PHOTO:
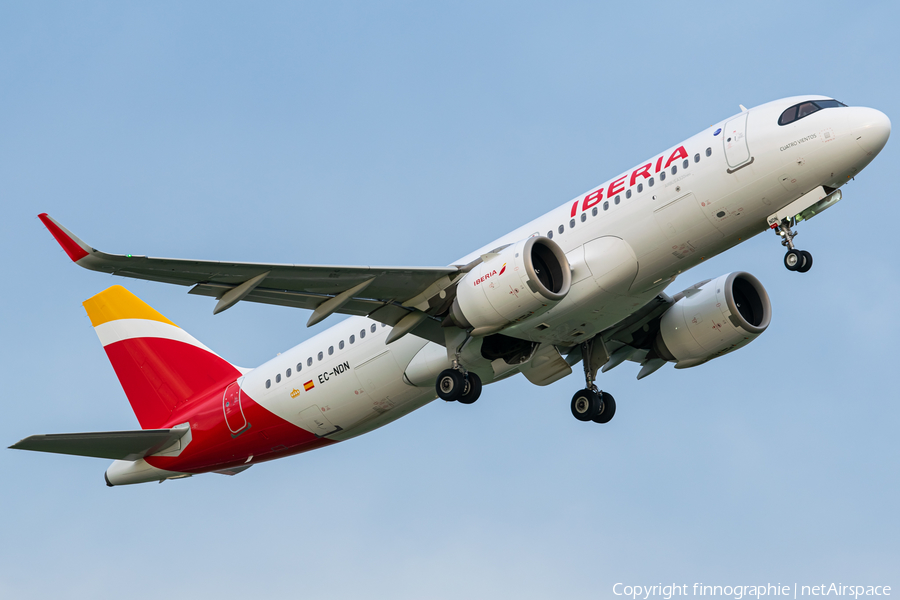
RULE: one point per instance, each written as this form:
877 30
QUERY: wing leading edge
386 294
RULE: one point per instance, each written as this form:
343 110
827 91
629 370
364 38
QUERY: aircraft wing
386 294
119 445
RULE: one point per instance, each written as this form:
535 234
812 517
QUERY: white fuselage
624 247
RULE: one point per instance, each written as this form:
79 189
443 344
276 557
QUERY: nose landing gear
798 260
794 260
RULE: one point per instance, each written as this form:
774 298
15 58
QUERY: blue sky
410 134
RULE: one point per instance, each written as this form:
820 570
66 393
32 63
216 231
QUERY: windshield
804 109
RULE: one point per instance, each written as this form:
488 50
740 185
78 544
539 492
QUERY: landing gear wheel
472 389
793 260
807 262
586 405
609 409
450 385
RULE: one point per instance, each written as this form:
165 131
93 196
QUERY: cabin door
734 137
231 406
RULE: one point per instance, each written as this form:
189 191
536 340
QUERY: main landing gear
591 404
456 384
795 260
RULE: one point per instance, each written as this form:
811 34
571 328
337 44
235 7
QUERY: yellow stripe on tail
117 303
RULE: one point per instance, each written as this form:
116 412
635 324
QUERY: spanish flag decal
308 385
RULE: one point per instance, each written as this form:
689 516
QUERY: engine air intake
522 280
716 318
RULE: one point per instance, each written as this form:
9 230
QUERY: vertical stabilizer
160 366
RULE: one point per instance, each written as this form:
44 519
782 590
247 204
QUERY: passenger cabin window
550 234
674 169
352 338
372 328
640 188
697 157
288 373
628 193
618 199
583 217
278 378
606 205
708 152
341 345
330 350
572 223
804 109
299 367
594 212
320 356
268 383
650 182
662 176
685 164
561 228
362 333
309 361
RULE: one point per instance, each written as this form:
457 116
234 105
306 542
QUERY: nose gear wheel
794 260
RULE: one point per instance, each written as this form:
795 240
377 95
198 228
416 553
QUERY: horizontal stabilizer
120 445
233 470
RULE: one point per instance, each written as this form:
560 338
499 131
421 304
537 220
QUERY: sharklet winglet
74 247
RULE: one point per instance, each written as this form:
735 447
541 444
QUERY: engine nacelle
520 281
713 319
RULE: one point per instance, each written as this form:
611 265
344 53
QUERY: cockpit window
804 109
788 116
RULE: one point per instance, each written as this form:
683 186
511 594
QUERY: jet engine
519 281
713 319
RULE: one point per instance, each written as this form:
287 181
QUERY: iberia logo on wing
503 268
308 385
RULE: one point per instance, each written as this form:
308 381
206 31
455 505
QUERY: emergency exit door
234 413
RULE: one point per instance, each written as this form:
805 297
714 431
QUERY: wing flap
293 299
118 445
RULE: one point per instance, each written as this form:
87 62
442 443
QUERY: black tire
793 260
585 405
472 389
807 262
450 385
609 409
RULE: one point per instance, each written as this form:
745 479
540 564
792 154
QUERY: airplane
583 283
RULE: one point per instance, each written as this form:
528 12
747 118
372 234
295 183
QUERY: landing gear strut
591 404
456 383
794 260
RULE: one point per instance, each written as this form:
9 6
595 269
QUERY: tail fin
160 366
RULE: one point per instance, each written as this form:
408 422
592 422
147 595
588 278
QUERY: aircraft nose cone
872 130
